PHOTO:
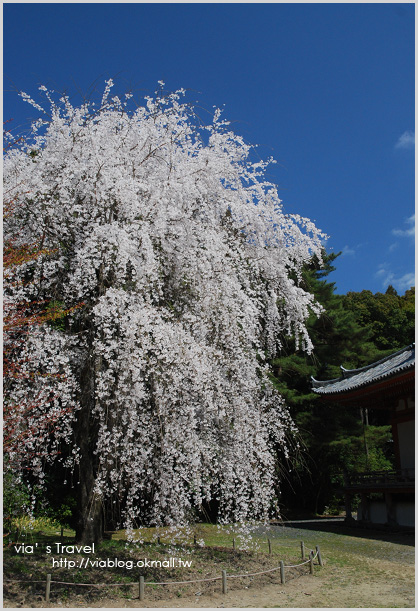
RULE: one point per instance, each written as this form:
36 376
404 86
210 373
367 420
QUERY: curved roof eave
351 379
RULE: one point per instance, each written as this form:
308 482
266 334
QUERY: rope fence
224 576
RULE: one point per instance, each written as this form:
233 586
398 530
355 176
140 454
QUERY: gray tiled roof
356 378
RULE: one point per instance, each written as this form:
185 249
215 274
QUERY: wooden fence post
311 555
141 587
302 549
282 577
269 542
224 584
48 587
318 551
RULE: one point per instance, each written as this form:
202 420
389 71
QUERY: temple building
387 497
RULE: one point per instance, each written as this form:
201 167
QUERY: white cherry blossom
188 267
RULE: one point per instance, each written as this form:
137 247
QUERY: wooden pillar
224 583
365 513
395 436
390 508
311 567
348 508
48 588
318 551
282 575
141 587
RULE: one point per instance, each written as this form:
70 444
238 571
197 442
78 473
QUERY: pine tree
331 438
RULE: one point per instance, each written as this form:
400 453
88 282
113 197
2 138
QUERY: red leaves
31 421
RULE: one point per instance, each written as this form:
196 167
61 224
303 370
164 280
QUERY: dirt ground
388 584
361 570
328 588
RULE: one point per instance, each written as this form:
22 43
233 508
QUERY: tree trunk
89 526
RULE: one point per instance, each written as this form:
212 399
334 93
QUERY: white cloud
410 231
351 251
401 284
406 141
385 275
405 282
348 251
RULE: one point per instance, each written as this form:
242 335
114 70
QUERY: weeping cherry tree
169 234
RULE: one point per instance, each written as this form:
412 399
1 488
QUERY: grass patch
212 553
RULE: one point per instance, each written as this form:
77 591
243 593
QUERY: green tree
333 438
389 317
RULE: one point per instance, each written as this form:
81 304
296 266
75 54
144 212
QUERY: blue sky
327 89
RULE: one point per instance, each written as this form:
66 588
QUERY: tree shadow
338 526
